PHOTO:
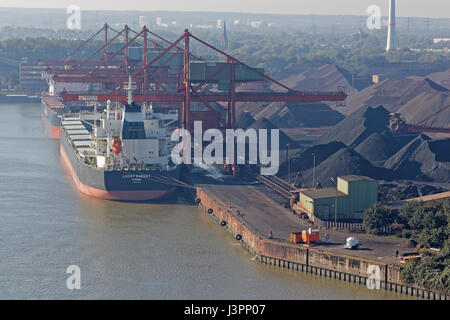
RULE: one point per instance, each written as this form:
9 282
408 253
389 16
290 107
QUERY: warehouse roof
353 177
323 193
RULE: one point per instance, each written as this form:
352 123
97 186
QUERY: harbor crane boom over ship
169 75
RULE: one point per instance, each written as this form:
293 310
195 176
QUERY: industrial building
30 77
353 195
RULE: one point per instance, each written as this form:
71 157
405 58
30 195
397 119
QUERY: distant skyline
405 8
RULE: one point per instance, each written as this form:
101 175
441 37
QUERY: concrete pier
235 207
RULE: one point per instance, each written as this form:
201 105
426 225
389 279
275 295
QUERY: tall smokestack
392 39
225 36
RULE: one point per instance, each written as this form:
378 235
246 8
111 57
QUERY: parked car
351 243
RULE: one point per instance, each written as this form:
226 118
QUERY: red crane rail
212 97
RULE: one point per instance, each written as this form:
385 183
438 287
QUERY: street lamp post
335 202
314 171
289 163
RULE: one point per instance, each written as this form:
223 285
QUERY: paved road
261 208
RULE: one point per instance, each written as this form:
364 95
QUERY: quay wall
312 260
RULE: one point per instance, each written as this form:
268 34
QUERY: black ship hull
126 185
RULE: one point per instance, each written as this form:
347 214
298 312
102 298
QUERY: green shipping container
201 71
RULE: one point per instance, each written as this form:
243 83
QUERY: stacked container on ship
125 155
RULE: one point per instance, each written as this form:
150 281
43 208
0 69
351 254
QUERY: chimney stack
391 39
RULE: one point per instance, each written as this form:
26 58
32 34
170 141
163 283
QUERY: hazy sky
405 8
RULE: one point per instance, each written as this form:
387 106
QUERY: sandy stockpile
426 104
423 159
441 78
391 93
297 115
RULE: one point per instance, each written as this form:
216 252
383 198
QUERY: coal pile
358 126
252 107
426 104
324 78
441 78
379 147
298 115
392 192
303 160
263 123
391 93
343 162
244 120
423 159
362 144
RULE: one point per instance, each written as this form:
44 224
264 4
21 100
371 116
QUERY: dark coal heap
362 144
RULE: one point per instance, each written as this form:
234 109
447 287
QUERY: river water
124 250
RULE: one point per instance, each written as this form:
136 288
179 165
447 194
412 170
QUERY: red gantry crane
167 74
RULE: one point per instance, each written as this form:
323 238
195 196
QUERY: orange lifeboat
117 146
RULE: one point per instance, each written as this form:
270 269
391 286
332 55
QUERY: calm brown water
124 250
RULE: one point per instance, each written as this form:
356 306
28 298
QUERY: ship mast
130 86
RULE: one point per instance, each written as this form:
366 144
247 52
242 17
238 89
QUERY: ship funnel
391 39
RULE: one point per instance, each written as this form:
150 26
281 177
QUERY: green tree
378 217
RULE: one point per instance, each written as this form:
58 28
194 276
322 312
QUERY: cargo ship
51 112
123 155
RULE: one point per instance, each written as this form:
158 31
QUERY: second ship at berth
120 154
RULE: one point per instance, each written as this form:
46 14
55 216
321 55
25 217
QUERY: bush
431 272
378 217
406 234
427 222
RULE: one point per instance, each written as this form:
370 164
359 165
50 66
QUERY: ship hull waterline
51 130
158 190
